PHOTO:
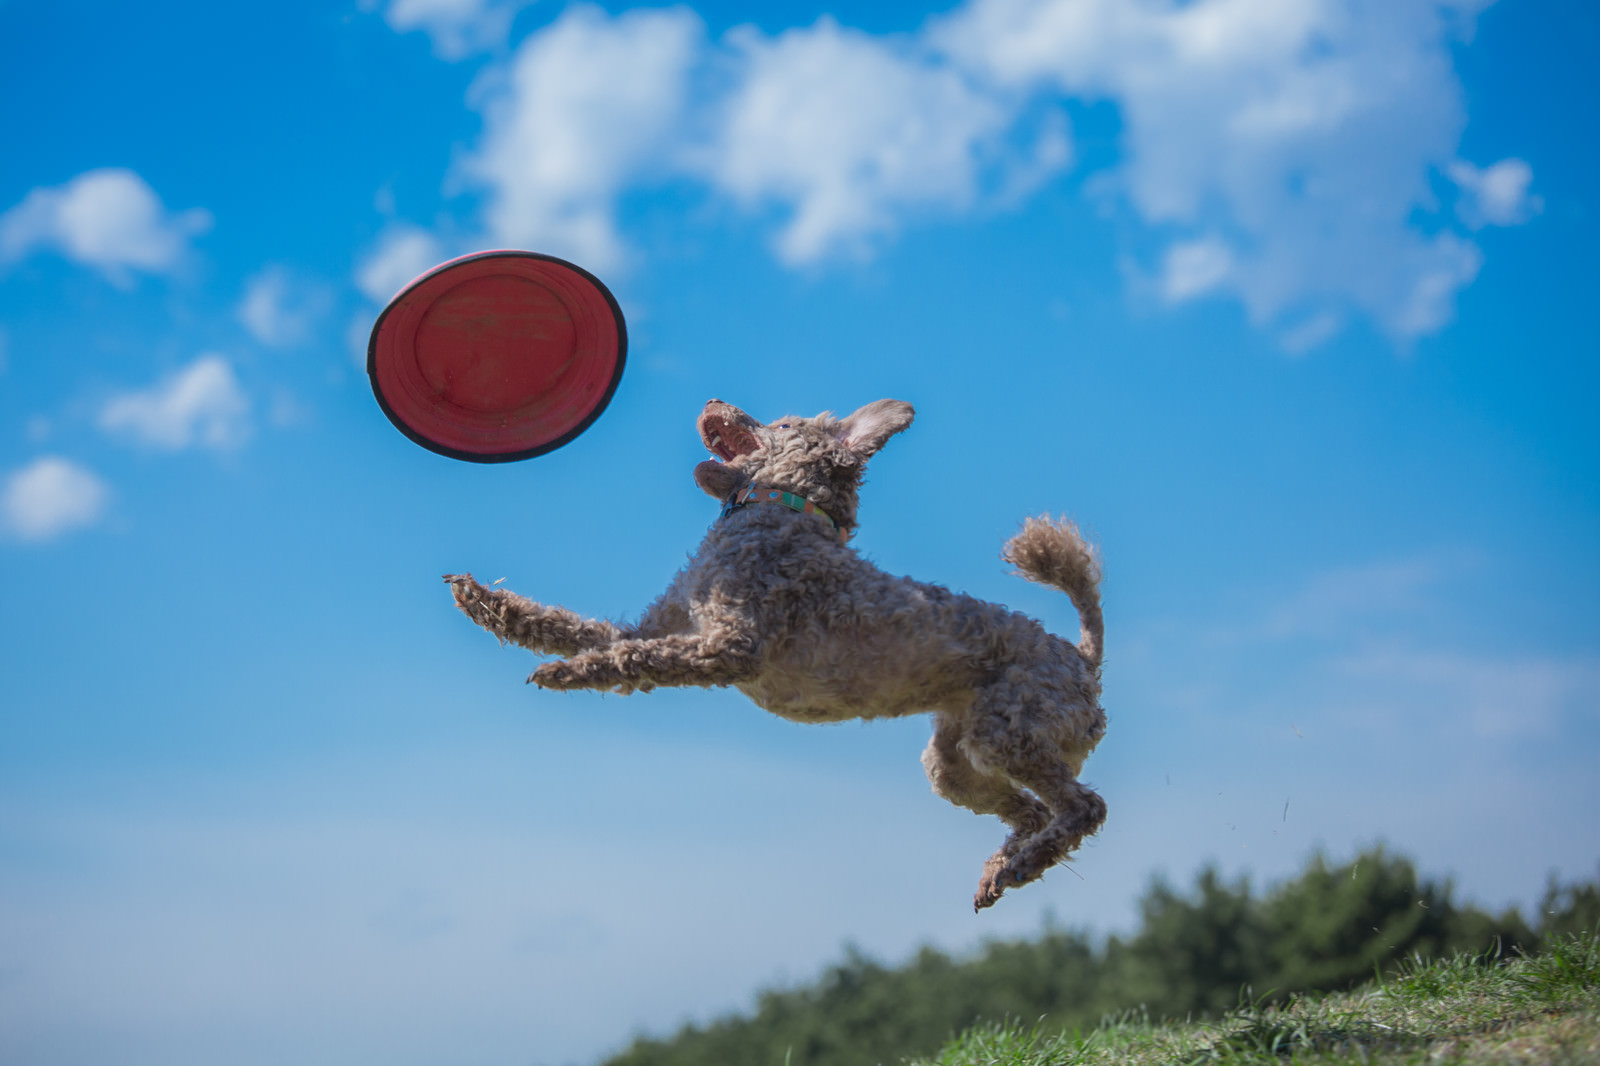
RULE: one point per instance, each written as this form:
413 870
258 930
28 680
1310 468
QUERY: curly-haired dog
778 604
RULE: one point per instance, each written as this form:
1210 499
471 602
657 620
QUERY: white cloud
1345 604
278 309
1496 195
1438 270
848 130
1351 598
403 252
851 130
1282 153
585 108
1357 648
1302 133
1315 331
1191 268
51 496
202 404
457 28
108 219
1493 696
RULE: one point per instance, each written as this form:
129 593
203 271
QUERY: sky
1290 303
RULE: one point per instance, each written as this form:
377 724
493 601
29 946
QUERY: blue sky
1290 304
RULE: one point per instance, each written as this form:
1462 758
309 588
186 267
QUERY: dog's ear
870 428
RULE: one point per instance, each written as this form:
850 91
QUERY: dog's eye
783 425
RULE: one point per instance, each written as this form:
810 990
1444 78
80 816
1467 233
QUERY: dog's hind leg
954 777
1077 811
1023 746
517 620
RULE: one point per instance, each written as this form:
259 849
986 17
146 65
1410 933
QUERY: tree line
1195 954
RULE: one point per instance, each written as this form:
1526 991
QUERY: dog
778 604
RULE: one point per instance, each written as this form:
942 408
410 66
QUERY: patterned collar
751 494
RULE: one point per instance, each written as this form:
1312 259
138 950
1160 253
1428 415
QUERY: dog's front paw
465 589
474 601
559 676
565 675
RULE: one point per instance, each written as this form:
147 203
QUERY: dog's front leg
520 621
640 665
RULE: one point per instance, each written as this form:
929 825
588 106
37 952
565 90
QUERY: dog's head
820 458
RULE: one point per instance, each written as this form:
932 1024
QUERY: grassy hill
1542 1008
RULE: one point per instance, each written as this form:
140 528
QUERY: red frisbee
498 356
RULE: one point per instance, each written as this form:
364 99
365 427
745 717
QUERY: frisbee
497 356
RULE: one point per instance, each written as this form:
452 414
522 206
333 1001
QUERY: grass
1468 1010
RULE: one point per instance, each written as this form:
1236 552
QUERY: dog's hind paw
998 875
991 885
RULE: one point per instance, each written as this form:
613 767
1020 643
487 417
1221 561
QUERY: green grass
1467 1010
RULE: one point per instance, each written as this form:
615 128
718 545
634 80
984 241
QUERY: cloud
849 131
403 252
1361 649
1494 697
202 404
1192 268
108 219
1351 593
458 28
852 131
1312 332
1497 195
1435 272
1286 154
278 310
584 109
1292 140
1351 603
49 497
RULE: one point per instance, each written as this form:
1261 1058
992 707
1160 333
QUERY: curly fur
774 604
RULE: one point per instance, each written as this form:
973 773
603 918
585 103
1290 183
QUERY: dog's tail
1054 553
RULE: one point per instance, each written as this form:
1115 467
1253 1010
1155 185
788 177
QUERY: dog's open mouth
724 432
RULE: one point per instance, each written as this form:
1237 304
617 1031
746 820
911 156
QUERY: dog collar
751 494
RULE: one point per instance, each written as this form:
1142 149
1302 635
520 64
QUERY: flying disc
498 356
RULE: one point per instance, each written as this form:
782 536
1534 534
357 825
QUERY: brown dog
777 603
